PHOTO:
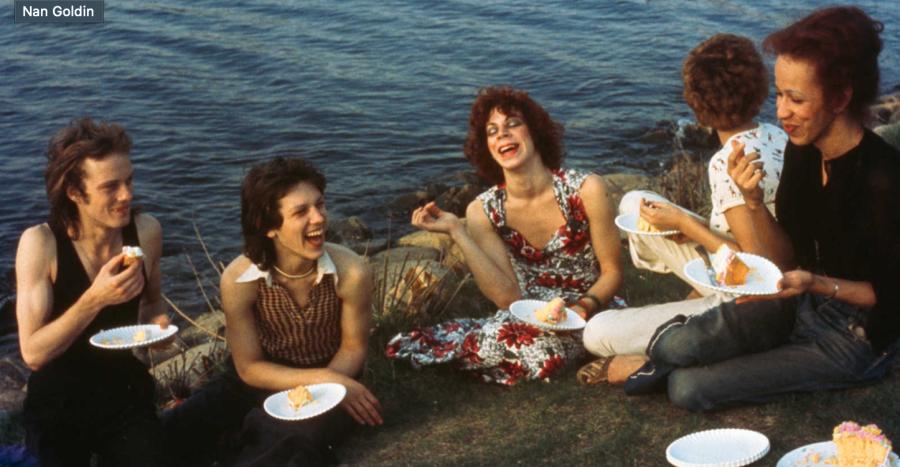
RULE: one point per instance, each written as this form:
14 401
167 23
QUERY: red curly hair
546 133
725 81
842 44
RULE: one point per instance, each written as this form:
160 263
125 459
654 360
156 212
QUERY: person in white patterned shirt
725 83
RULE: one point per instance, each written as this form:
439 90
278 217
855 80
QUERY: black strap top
82 364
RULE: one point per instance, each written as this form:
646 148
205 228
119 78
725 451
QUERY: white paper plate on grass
816 455
628 222
129 337
726 447
324 397
525 310
761 280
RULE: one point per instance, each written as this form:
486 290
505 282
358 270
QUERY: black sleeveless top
83 373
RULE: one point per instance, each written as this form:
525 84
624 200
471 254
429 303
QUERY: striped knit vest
300 337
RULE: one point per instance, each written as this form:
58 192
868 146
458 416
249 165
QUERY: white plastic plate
129 337
628 223
324 397
726 447
525 310
761 280
804 456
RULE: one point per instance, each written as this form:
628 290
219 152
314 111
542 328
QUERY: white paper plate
825 449
726 447
123 337
761 280
628 223
324 397
525 309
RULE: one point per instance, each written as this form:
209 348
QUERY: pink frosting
868 432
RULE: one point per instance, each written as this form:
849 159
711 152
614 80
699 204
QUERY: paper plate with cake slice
550 316
304 402
851 444
725 447
822 454
129 337
735 273
632 223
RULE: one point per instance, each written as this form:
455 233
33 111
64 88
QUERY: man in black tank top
71 283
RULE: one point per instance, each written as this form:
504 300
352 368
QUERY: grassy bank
439 416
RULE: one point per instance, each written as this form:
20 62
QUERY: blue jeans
754 351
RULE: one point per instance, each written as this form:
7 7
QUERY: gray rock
349 229
450 252
12 400
890 132
456 199
404 253
184 372
413 288
353 233
212 321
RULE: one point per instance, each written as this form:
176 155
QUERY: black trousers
120 427
224 422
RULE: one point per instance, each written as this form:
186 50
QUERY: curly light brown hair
725 81
546 133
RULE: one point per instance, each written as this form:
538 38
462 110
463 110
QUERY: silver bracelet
834 291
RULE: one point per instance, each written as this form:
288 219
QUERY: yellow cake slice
553 312
645 226
730 270
863 446
299 396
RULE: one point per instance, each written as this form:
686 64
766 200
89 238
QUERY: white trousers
627 331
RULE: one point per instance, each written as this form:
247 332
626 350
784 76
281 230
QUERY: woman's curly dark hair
842 43
725 81
261 193
546 133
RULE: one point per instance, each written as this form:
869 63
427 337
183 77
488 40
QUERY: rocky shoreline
419 273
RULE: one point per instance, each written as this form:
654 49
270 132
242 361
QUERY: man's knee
689 391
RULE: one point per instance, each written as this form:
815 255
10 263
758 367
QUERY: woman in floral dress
541 232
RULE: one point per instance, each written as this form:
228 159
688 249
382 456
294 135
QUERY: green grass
440 416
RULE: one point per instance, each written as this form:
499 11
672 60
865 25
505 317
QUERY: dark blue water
377 93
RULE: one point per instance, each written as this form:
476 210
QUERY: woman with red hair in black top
836 321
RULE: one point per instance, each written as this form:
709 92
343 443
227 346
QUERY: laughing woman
540 232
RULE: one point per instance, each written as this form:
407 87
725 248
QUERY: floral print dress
501 348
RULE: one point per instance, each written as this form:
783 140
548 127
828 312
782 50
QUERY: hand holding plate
163 322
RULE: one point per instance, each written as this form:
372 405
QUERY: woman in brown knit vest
297 311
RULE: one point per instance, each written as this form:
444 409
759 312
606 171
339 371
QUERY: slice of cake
730 270
864 446
132 254
645 226
553 312
299 396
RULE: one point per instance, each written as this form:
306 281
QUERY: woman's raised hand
434 219
746 171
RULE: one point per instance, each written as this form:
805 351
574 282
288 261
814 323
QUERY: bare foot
622 366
